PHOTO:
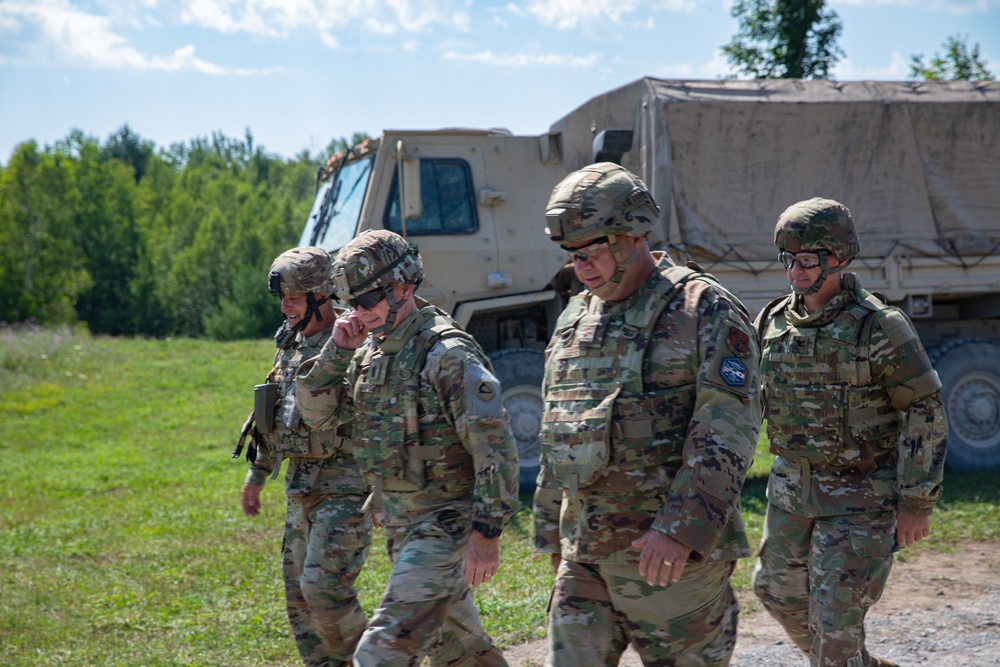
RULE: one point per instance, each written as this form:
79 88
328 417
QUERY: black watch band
486 530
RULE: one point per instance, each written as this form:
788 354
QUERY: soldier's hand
349 332
662 559
556 562
482 558
911 528
250 499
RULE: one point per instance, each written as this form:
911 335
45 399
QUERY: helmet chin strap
390 318
611 284
312 308
827 270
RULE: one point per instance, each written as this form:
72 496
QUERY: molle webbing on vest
823 406
391 441
599 420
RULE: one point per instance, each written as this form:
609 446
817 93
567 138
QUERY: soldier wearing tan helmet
651 423
327 534
428 428
855 418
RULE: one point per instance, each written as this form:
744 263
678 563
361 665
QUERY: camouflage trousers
597 610
428 608
326 544
818 576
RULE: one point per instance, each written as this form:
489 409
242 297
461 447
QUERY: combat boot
882 662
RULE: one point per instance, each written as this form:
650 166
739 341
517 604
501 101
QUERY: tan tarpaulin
918 163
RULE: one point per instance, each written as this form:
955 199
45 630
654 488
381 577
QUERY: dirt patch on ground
938 609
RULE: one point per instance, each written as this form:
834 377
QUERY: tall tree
958 63
784 39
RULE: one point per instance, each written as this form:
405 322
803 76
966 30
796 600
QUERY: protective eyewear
805 260
597 246
368 300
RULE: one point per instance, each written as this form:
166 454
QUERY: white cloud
279 18
897 69
714 68
524 60
571 14
88 40
956 7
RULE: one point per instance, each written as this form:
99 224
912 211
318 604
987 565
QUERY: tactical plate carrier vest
282 429
822 406
599 423
400 432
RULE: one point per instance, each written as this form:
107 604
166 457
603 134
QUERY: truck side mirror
611 144
411 200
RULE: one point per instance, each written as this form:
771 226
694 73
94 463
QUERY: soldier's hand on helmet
662 559
911 528
250 499
349 332
482 559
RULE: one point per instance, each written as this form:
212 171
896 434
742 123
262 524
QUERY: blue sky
301 72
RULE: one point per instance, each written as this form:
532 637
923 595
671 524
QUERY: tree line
131 240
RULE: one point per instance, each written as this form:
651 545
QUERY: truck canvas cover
918 163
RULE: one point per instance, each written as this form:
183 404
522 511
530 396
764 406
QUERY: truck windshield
337 208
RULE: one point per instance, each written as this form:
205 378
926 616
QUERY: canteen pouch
265 398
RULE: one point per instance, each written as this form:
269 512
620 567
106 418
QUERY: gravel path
938 609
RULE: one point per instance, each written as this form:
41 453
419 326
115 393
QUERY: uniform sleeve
722 433
323 387
900 364
470 397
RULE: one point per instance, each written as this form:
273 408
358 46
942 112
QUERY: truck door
457 243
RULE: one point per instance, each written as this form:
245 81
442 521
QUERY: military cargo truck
918 164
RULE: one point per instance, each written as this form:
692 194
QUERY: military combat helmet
600 200
818 224
304 270
374 259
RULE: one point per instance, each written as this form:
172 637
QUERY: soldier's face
594 264
295 306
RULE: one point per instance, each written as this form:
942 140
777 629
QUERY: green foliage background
128 239
121 538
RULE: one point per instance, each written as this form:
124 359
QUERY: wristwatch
486 530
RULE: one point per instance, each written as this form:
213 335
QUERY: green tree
784 39
42 267
958 63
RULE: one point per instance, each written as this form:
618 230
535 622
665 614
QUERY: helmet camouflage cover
600 200
818 224
375 258
301 270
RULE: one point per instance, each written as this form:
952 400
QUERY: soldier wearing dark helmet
327 534
426 422
855 418
650 427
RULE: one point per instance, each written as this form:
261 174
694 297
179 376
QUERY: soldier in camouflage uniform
650 426
430 432
326 532
854 415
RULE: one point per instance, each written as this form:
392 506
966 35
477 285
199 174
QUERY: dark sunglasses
368 300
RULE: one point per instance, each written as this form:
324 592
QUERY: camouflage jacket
305 476
438 438
853 407
675 374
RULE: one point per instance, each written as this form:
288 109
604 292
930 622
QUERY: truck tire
520 373
970 374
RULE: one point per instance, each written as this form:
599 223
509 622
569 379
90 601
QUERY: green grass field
121 538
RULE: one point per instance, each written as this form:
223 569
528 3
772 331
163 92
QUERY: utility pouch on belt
265 397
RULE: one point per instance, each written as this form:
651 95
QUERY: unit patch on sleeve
485 391
739 341
733 371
